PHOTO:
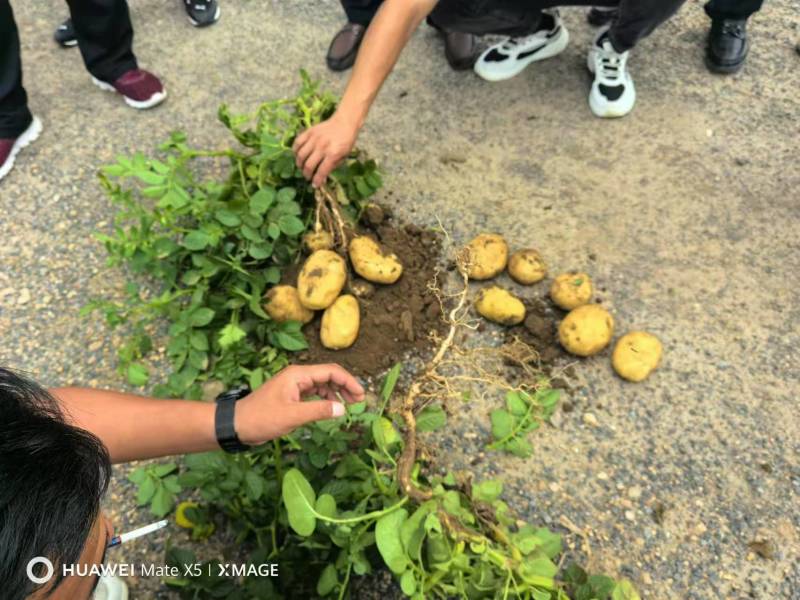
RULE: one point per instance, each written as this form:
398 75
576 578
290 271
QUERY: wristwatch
227 438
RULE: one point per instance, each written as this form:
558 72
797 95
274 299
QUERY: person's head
52 479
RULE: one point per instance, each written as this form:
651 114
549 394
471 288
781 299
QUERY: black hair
52 479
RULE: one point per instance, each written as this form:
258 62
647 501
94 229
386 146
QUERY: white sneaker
612 94
110 587
10 147
510 57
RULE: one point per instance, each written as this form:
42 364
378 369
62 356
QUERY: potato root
571 290
372 262
500 306
636 355
586 330
340 323
526 266
321 279
488 256
283 304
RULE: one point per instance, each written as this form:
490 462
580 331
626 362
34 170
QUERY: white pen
132 535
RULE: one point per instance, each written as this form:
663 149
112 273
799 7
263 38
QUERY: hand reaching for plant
321 148
278 406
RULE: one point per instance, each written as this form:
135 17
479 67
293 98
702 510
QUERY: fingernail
338 409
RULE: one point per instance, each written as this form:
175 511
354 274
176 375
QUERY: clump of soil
397 319
540 331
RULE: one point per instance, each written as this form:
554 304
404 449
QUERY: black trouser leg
637 19
14 114
732 9
361 11
105 36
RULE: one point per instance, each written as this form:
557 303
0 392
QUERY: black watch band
227 438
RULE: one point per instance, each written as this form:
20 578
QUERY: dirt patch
397 319
540 331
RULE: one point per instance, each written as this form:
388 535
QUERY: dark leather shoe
727 45
460 49
344 47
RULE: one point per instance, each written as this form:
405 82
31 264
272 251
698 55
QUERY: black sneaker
65 35
601 15
202 13
727 45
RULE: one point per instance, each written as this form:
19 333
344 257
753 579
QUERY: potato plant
205 251
338 499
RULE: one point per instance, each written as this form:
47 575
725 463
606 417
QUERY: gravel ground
686 212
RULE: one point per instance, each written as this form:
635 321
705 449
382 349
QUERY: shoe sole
723 69
154 100
31 134
214 20
555 47
68 43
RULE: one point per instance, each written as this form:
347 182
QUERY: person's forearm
134 428
385 39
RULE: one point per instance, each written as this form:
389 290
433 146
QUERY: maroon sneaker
10 147
141 89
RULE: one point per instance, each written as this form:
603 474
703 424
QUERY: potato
526 266
636 355
283 304
321 279
372 262
571 290
586 330
340 323
318 240
500 306
488 255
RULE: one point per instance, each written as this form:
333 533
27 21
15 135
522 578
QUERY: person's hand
278 406
321 148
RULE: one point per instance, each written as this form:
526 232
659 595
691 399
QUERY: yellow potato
283 304
318 240
526 266
571 290
500 306
636 355
586 330
321 279
372 262
488 255
340 323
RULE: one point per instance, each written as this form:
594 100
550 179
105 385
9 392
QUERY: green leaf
227 218
254 485
230 334
328 580
431 418
519 447
390 382
196 240
201 317
408 583
162 502
164 470
502 424
286 194
516 405
292 341
387 538
291 225
273 231
262 200
199 340
137 374
384 433
299 499
137 476
146 491
260 251
624 590
487 491
326 506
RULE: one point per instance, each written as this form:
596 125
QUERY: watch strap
224 425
